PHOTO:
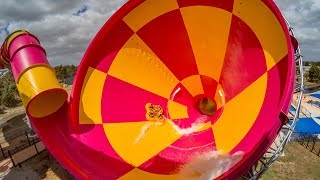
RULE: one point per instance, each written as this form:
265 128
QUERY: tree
314 74
307 63
9 95
66 71
71 70
60 72
315 63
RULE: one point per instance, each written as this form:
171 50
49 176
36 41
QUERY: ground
41 166
68 88
298 163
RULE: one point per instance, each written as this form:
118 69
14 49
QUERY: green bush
65 71
314 74
9 96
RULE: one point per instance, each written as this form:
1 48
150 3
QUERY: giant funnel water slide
168 89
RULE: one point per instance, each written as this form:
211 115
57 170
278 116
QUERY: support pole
314 143
35 146
4 155
11 158
28 138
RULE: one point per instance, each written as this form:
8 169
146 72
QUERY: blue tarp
292 108
307 126
315 95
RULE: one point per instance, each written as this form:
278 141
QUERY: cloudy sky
66 27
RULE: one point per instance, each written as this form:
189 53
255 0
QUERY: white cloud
304 17
66 37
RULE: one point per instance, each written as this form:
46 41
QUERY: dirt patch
41 166
10 113
13 134
13 128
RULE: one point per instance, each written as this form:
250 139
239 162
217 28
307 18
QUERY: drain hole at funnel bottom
207 106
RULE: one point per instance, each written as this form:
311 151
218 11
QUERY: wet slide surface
173 54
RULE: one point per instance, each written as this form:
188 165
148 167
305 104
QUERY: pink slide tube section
25 52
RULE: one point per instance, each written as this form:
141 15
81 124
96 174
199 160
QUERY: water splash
209 165
145 129
196 126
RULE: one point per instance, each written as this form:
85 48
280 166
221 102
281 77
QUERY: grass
298 163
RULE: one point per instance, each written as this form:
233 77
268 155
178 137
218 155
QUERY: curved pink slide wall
169 89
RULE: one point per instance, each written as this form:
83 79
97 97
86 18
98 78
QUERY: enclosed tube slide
168 89
37 84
